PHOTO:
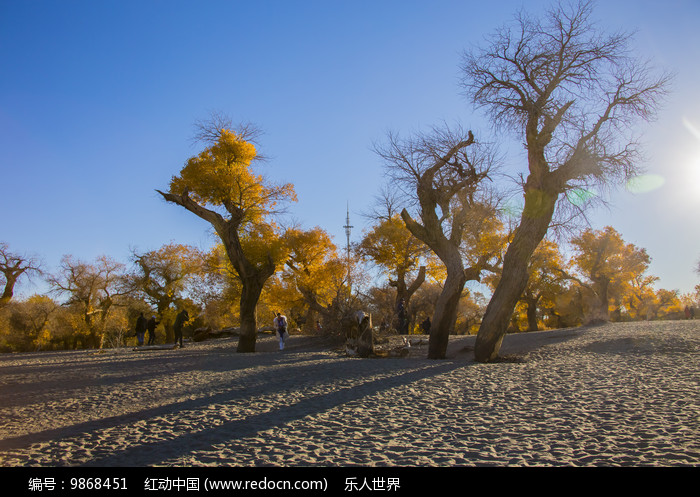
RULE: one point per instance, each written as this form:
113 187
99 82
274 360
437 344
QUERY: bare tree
387 203
93 289
12 267
571 93
447 185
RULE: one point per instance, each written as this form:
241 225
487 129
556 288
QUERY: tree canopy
610 266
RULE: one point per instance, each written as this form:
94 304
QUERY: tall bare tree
12 267
571 93
445 173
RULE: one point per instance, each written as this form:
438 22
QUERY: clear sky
98 99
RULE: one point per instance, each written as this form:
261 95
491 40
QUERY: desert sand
612 395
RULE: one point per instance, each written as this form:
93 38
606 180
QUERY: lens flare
579 196
645 183
694 130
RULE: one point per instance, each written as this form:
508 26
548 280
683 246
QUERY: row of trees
94 305
567 91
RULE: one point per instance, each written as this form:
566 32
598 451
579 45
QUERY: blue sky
98 99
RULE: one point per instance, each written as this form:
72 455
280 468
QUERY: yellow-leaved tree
315 276
400 256
609 267
161 277
220 186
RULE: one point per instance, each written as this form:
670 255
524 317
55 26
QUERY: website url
265 484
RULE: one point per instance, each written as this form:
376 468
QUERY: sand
613 395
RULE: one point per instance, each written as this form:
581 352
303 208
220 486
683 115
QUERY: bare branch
207 131
185 201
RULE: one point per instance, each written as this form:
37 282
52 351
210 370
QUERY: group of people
689 312
143 325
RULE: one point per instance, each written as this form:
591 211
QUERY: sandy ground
612 395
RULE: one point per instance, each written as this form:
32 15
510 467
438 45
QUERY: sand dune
612 395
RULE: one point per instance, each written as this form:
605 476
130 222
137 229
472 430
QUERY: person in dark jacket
140 328
403 318
280 324
180 321
151 327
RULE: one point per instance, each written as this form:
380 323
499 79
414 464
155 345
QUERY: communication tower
348 229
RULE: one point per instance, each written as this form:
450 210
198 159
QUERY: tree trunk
252 277
161 308
445 313
405 292
309 321
532 324
8 292
537 214
168 330
249 326
603 312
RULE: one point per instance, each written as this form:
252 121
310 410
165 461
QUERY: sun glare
645 183
693 164
694 175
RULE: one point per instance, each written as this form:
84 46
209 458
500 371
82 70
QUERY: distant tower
347 234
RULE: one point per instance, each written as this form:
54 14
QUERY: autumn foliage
569 93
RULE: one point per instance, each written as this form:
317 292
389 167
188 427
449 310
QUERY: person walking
280 324
403 321
151 327
140 328
180 321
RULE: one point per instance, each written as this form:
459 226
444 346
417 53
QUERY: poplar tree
571 94
221 186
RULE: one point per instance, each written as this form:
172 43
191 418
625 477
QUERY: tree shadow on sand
178 437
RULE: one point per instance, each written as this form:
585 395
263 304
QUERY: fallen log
165 346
